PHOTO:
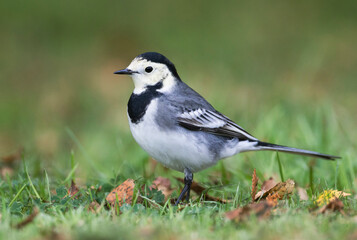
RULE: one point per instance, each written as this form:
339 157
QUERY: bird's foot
187 188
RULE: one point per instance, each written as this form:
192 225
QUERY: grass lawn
63 217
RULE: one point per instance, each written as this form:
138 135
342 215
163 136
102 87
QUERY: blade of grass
17 195
280 168
311 176
48 187
29 193
90 194
4 207
70 174
152 202
236 197
336 173
30 181
164 207
72 165
9 184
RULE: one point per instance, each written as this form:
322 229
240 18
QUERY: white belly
174 149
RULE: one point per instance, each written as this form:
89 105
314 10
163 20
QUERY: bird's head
149 69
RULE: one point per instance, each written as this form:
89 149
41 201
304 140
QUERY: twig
255 180
27 220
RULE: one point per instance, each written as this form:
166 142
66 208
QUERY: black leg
187 188
188 182
182 194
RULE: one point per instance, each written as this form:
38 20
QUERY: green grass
286 72
68 217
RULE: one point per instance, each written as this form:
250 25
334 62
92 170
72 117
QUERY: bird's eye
148 69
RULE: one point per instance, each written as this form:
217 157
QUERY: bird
177 127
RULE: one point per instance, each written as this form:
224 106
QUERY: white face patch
150 73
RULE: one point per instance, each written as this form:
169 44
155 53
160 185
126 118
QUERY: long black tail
279 148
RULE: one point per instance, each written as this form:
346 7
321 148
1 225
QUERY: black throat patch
138 103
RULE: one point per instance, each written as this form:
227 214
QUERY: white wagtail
178 127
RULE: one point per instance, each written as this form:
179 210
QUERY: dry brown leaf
28 220
124 193
164 185
198 189
273 198
302 194
334 205
283 189
266 186
73 190
255 180
261 210
238 214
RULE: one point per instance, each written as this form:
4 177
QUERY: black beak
125 71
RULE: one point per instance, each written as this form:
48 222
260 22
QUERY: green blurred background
285 71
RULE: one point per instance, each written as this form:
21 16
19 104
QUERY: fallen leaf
255 180
164 185
283 189
73 190
273 199
329 195
238 214
28 220
124 193
266 186
334 205
302 194
261 209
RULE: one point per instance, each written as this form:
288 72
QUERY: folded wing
213 122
